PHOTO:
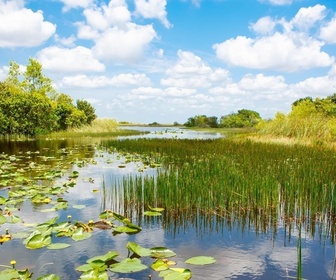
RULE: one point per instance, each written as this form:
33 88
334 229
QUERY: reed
210 183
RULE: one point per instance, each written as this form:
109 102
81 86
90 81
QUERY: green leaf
94 275
134 247
58 246
106 214
9 274
14 219
105 258
84 267
152 213
2 219
2 200
160 265
80 234
125 229
38 241
49 277
176 274
156 209
161 252
201 260
128 266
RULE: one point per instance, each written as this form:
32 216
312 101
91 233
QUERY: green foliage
88 110
201 121
308 119
29 105
244 118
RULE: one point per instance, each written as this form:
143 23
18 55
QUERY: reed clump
209 183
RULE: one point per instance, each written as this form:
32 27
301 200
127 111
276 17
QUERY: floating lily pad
49 277
136 248
80 234
2 200
128 266
176 274
37 241
94 275
105 258
125 229
152 213
156 209
2 219
58 246
201 260
160 265
9 274
161 252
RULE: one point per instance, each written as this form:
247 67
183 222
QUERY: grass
206 183
98 128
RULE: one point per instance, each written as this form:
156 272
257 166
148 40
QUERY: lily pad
80 234
176 274
152 213
37 241
125 229
2 200
128 266
49 277
161 252
58 246
136 248
201 260
94 275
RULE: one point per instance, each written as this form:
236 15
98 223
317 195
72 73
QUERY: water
241 251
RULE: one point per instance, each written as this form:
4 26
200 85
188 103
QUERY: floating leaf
105 258
160 265
125 229
106 214
84 267
161 252
80 234
156 209
9 274
2 219
128 266
152 213
2 200
176 274
94 275
49 277
136 248
58 246
14 219
201 260
37 241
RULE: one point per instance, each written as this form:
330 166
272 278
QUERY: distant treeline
244 118
308 118
29 105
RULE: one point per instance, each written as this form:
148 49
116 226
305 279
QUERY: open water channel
241 251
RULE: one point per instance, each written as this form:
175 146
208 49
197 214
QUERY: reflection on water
246 246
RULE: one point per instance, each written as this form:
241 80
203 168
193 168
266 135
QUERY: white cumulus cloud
153 9
77 59
71 4
291 50
328 32
124 45
21 27
121 80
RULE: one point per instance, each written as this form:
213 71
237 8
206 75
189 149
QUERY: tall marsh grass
209 183
98 128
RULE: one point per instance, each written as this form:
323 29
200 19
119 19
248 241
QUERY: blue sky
168 60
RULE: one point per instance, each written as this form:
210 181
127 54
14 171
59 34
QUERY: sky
164 61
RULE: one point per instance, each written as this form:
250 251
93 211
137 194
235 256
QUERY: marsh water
246 243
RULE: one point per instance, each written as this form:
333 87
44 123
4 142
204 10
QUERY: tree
88 110
35 81
244 118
